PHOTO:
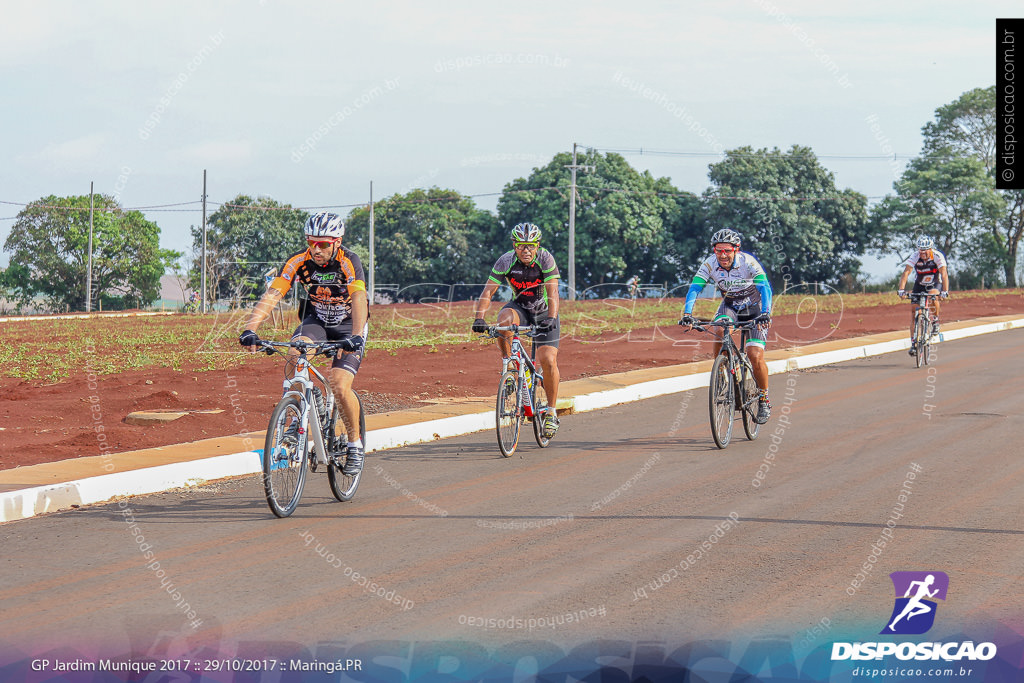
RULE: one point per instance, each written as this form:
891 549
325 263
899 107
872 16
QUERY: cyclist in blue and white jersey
746 295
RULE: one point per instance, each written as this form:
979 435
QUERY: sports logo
914 611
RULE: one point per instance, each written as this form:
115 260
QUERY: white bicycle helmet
726 236
526 232
325 224
924 243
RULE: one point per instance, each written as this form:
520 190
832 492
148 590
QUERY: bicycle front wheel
540 404
749 397
721 401
921 337
507 413
284 457
344 486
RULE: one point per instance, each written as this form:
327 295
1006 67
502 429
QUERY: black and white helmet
325 224
726 236
526 232
924 243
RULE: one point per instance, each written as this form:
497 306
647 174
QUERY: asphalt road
632 526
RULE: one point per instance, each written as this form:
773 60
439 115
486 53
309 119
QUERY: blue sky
307 103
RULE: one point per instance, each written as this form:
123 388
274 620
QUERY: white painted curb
42 499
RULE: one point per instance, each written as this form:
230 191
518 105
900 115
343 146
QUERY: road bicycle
521 395
922 329
732 387
303 424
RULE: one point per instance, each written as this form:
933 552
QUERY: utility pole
572 222
372 262
88 276
203 285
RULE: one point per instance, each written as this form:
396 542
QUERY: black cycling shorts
314 328
757 335
549 338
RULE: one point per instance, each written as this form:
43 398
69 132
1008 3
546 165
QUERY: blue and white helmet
325 224
924 243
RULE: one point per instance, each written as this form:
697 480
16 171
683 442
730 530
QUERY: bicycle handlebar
326 348
527 330
702 325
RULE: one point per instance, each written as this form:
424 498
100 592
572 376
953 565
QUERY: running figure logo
914 613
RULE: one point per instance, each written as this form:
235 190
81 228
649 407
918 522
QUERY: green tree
245 239
49 247
988 223
425 236
792 217
627 223
951 199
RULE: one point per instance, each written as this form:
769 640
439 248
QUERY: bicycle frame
304 394
922 328
921 303
518 354
738 370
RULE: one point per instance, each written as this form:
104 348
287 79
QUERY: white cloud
74 154
215 152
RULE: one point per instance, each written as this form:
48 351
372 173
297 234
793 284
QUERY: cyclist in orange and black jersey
338 311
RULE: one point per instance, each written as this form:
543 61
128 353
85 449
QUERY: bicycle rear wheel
749 397
540 404
921 336
721 401
284 457
507 413
344 486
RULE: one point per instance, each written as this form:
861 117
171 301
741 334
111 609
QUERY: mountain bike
521 394
304 423
923 328
732 387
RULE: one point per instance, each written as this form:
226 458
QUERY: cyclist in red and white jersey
746 295
931 277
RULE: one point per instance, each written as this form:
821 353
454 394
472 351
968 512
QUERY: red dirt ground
45 423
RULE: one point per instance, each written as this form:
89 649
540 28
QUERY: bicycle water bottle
529 379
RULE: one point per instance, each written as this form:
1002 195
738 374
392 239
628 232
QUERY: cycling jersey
330 287
526 281
927 270
744 286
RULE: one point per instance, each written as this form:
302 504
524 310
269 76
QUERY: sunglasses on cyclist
322 245
526 245
725 250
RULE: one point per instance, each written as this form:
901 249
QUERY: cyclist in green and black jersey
530 271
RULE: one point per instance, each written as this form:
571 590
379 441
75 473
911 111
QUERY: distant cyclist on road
746 295
337 311
530 271
634 286
930 266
